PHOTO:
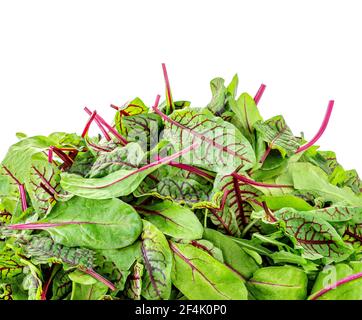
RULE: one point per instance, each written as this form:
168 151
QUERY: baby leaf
234 256
315 235
157 259
278 135
94 224
339 282
279 283
199 276
172 219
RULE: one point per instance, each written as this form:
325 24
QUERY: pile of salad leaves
178 202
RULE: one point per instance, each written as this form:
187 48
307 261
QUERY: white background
58 56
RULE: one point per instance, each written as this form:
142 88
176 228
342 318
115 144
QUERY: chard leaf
44 250
157 259
247 113
143 129
231 210
61 285
234 256
173 220
314 235
201 277
116 264
43 184
132 108
279 283
177 185
278 135
11 266
221 147
128 157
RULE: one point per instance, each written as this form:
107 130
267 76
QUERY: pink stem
24 205
265 155
50 155
168 88
104 132
100 278
110 128
66 159
188 168
42 226
114 107
259 184
321 129
335 285
86 128
259 94
268 213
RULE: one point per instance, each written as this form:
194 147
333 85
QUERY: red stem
110 128
21 187
268 213
259 94
104 132
114 107
321 129
100 278
47 284
89 122
168 88
189 168
347 279
62 155
259 184
265 155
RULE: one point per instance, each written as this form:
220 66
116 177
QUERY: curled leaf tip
321 129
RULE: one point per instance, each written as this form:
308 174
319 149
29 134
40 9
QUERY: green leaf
201 277
86 287
279 283
94 224
222 148
157 259
247 113
173 220
117 184
177 185
234 256
61 285
311 178
350 290
278 135
286 201
116 264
